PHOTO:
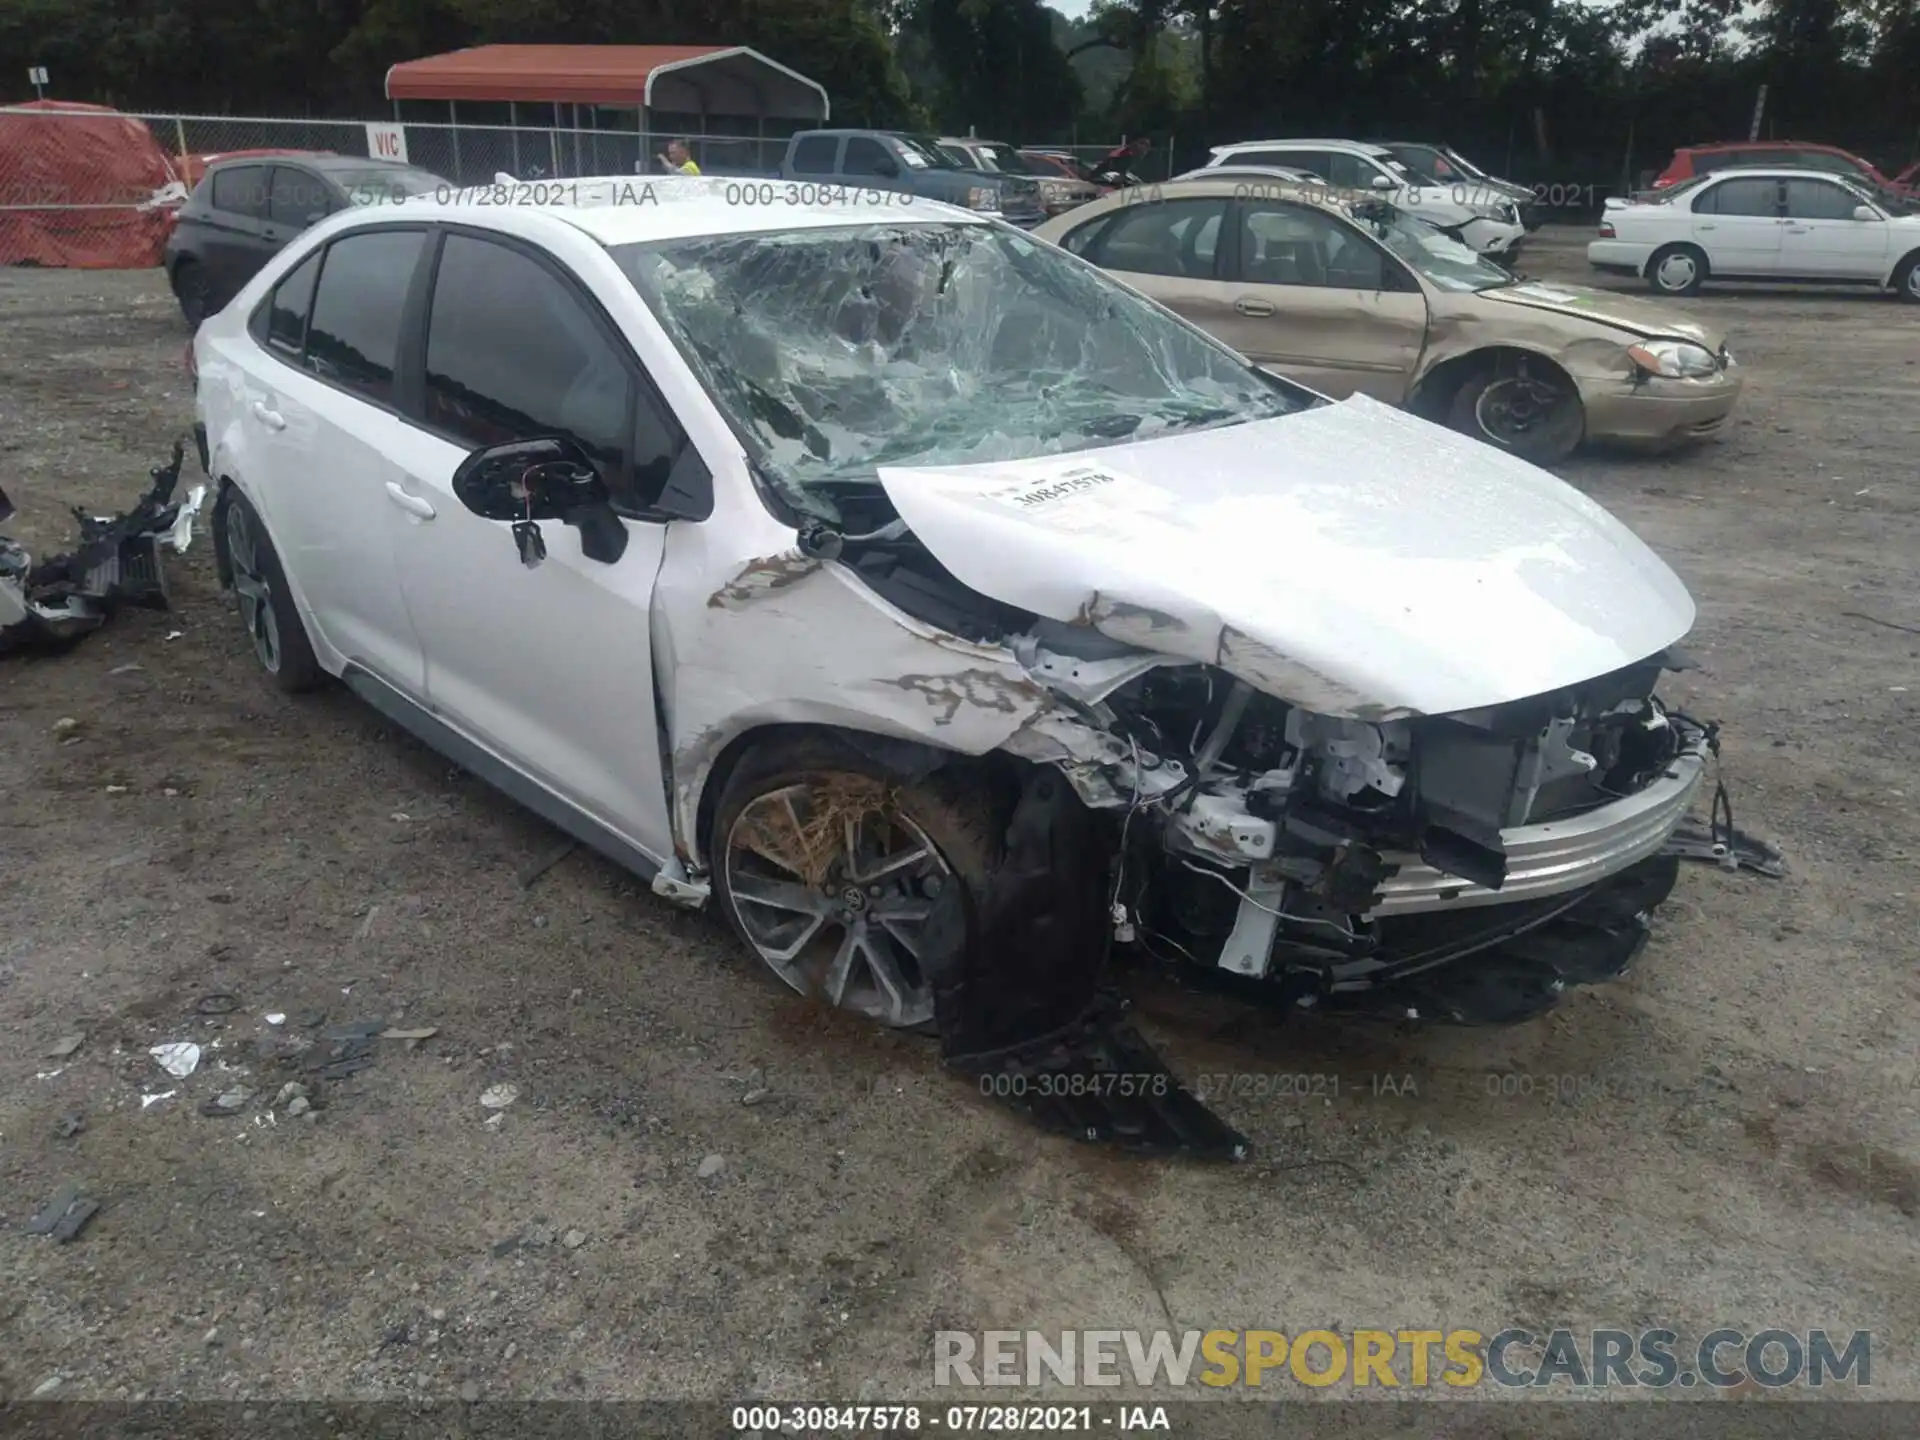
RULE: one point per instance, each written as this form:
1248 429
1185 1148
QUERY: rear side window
353 338
291 303
297 197
513 354
241 190
1740 197
814 155
1174 237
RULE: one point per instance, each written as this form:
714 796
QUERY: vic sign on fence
386 142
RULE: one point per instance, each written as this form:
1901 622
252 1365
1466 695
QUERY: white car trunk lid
1352 559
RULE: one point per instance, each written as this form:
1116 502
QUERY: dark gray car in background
244 210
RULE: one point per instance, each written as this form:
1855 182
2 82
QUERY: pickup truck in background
904 164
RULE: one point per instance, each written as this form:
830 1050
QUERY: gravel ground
705 1189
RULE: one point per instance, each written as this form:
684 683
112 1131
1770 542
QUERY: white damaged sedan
946 612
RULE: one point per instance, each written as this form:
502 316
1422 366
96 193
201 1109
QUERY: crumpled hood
1352 558
1620 311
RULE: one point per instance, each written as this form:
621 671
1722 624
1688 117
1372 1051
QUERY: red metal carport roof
574 74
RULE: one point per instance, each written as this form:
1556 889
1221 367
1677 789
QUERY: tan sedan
1345 294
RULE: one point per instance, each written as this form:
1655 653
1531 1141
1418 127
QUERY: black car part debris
1024 1009
65 1215
116 564
1720 841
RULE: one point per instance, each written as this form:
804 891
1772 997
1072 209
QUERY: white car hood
1352 559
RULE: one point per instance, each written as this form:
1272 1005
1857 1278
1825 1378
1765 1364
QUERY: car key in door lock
526 531
533 546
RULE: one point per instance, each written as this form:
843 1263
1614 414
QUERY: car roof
1765 145
1210 172
310 159
1765 172
1307 192
634 209
1365 147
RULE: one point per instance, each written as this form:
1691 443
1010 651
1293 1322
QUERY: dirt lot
1731 1136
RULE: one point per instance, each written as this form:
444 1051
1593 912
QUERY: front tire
1537 417
828 867
1677 270
265 602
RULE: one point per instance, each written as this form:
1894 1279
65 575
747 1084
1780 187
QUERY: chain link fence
94 188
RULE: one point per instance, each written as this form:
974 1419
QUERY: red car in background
1694 161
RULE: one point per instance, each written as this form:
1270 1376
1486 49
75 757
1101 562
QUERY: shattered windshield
837 351
1436 255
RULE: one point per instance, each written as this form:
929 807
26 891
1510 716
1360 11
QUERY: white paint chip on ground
179 1058
498 1097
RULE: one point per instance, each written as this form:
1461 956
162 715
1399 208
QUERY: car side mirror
887 166
1865 212
1382 182
526 481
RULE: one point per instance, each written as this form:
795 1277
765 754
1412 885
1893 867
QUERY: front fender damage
1019 997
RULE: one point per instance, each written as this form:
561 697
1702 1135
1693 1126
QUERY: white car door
550 667
1737 222
318 418
1822 239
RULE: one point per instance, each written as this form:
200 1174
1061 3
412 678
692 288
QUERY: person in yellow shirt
678 158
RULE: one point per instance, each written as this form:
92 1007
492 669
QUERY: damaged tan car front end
1353 296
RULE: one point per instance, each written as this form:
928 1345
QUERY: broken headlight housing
1674 359
983 197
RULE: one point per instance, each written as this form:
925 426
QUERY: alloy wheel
833 887
252 588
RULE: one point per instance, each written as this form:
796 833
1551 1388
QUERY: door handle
1707 227
1253 307
412 504
272 419
1799 229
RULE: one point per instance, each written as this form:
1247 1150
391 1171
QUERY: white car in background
1487 223
1782 225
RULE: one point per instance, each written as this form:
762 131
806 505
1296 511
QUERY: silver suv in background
1489 225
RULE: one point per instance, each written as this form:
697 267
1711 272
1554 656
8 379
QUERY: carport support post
180 134
453 125
513 127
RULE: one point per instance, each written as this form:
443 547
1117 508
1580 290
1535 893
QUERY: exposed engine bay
1296 858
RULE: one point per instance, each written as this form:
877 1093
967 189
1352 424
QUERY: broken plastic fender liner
1018 1000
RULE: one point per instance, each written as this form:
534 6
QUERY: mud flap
1023 1007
